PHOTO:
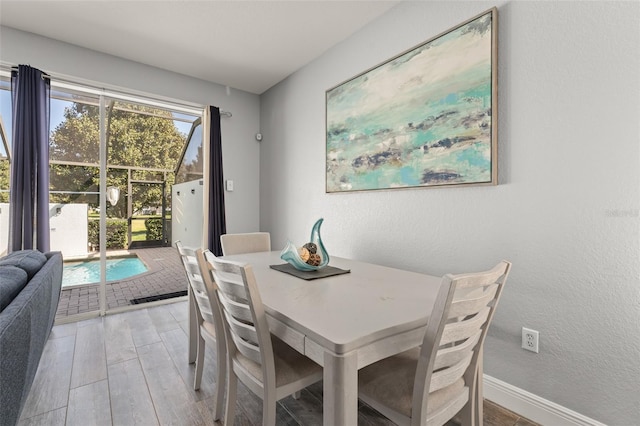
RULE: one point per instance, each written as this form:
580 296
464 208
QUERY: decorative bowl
291 253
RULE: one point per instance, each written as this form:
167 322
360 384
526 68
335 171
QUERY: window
190 166
5 148
100 139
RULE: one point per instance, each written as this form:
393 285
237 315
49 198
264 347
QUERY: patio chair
431 384
266 365
208 318
245 243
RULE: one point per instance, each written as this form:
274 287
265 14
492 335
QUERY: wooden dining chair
245 243
431 384
266 365
209 319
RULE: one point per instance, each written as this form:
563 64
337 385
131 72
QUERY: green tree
77 137
4 179
189 171
137 136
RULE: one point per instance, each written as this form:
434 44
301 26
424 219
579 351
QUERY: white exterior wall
68 226
187 220
69 229
4 228
566 212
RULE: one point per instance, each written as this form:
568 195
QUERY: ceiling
247 45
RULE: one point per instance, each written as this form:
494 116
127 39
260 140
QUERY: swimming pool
88 271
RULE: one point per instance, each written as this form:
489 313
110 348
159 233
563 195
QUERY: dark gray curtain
217 222
29 196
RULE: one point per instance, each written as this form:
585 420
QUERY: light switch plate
229 185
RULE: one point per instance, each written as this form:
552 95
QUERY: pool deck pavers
165 275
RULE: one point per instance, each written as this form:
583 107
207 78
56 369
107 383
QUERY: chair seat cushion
390 382
290 365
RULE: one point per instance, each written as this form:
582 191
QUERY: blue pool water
86 272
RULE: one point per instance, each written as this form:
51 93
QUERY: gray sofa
30 284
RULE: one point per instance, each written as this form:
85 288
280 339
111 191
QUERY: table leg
340 406
193 327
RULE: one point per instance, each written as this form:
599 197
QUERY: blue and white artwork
421 119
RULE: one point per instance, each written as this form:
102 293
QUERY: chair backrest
201 292
246 327
457 327
245 243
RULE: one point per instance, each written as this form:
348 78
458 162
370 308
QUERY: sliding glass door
75 201
113 159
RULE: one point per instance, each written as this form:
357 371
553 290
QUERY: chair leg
479 394
199 363
232 389
221 373
468 412
193 325
268 409
467 415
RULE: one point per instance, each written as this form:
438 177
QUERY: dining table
342 322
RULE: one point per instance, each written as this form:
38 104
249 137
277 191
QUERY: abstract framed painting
425 118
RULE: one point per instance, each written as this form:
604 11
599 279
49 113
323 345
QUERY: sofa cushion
15 356
25 325
12 280
29 260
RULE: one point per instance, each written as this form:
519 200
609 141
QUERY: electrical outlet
530 340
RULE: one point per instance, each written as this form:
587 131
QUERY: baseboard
533 407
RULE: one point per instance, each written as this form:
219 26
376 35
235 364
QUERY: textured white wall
240 149
566 212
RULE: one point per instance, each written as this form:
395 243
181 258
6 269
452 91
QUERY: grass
138 228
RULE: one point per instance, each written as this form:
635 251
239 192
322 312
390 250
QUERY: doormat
158 297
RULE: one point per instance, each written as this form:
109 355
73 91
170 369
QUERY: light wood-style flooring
131 369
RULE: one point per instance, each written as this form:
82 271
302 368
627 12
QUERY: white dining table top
345 312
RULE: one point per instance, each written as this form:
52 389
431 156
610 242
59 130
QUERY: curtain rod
45 76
